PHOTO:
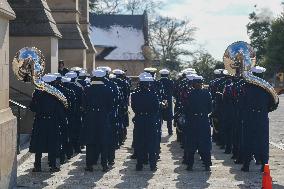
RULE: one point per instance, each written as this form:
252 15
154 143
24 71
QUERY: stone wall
8 129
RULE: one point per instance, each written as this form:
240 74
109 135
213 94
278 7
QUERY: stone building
120 41
34 26
72 46
84 26
8 129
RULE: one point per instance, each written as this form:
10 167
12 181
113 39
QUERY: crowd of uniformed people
230 112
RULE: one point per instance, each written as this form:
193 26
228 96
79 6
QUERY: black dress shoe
245 169
36 169
153 169
237 161
89 169
54 169
133 156
207 168
189 168
105 169
62 161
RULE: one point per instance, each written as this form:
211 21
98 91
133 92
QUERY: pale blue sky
219 22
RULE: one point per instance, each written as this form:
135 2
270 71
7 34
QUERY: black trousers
51 159
92 153
205 156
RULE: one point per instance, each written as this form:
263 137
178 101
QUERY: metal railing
19 108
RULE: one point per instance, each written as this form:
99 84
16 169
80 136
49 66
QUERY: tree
259 29
124 6
169 39
205 65
139 6
275 47
106 6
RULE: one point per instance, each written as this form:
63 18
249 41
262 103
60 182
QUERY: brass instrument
238 59
28 65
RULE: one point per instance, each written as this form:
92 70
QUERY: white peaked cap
225 72
150 69
57 74
164 72
218 71
105 68
76 69
146 77
47 78
198 77
191 77
112 76
258 69
65 79
82 73
189 71
99 73
118 72
71 74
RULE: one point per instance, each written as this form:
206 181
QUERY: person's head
61 64
145 81
118 73
82 74
72 75
98 74
164 73
197 82
258 71
58 78
49 79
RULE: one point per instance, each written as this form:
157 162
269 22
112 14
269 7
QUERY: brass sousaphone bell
238 59
28 66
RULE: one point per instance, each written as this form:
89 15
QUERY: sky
219 22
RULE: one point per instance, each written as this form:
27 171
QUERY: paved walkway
171 173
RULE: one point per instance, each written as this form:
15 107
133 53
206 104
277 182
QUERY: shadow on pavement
35 180
250 179
198 178
79 178
132 178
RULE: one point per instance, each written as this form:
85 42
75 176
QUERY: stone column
84 26
72 46
8 128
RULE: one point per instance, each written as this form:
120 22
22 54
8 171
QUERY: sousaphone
28 66
238 59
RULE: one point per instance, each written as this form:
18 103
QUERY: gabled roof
123 36
33 18
105 21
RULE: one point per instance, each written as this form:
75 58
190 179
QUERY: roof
72 37
33 18
122 36
105 21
